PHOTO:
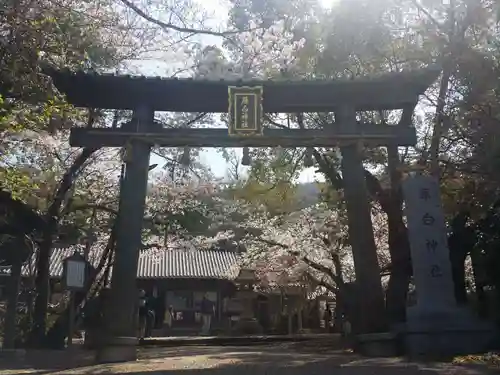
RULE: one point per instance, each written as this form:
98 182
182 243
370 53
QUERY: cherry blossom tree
310 244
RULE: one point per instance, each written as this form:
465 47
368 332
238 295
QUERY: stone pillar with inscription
435 325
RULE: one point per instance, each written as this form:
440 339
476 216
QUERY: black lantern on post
75 273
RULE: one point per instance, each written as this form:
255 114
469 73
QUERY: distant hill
307 194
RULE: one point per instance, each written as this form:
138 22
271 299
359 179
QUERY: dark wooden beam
389 91
371 134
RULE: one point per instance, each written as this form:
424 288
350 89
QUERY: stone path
284 359
334 338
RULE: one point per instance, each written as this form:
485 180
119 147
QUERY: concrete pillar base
447 343
118 349
452 332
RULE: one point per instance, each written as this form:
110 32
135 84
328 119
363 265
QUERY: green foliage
278 198
71 34
18 183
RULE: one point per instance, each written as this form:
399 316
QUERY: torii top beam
109 91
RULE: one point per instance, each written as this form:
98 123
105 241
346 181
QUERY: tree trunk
438 123
401 271
10 323
457 260
340 309
397 294
461 241
52 219
351 306
42 288
455 38
399 245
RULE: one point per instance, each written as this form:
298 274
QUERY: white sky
218 10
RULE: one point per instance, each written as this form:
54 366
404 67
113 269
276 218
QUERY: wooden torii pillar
145 95
121 338
363 246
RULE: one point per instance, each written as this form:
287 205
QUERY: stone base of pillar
446 333
118 349
377 344
92 339
247 326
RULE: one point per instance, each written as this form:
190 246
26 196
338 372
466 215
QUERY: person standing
169 318
150 321
327 317
346 326
207 311
146 315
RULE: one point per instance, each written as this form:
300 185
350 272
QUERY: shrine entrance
246 102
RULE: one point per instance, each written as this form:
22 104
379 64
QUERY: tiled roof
56 261
207 264
203 264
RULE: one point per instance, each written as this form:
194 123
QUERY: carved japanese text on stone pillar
429 244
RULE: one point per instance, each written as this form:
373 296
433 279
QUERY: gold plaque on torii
245 110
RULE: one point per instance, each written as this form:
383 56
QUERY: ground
285 359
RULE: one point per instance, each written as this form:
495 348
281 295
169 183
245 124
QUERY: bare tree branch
427 14
322 283
170 26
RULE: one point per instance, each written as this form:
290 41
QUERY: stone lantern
245 281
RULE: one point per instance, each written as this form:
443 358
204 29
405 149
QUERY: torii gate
245 101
